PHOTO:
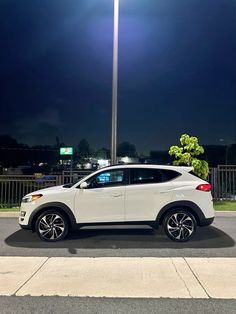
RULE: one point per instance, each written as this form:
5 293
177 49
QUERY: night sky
177 71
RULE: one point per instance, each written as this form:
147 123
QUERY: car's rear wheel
180 225
51 226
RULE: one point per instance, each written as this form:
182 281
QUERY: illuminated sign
66 150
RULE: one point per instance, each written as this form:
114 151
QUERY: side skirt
152 224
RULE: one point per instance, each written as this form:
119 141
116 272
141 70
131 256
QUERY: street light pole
115 84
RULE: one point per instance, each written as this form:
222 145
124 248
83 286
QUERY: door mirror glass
83 185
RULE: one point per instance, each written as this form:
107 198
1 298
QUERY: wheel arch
193 208
61 207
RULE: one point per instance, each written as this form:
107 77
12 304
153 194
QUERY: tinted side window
145 176
107 178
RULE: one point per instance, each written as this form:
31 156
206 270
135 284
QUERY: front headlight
31 198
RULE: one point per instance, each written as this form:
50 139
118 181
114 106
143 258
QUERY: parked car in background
45 179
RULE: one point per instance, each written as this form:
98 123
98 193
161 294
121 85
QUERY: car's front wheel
51 226
180 225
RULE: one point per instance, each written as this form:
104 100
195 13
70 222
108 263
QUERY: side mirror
83 185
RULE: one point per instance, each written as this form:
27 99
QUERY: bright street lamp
115 84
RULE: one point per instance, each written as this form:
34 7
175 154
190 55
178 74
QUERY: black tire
180 225
51 226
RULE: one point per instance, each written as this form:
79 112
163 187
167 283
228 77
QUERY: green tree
186 155
84 149
102 153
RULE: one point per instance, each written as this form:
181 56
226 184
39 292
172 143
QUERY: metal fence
14 187
76 175
223 180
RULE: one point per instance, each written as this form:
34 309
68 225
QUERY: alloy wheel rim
180 226
51 226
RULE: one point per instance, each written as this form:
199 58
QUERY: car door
103 199
146 194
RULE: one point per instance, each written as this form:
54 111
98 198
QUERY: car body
122 194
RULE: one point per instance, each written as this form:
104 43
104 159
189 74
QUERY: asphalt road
110 305
217 240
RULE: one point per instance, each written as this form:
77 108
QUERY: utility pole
115 84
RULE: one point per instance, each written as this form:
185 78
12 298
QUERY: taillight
206 187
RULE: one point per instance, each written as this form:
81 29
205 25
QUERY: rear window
194 174
170 174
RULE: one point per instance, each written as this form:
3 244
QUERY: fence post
215 183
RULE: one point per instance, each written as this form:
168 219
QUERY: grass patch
12 209
225 205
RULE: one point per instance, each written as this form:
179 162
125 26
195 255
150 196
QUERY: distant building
128 160
15 171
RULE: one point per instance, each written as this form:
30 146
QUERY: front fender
61 206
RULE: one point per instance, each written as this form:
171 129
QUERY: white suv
124 194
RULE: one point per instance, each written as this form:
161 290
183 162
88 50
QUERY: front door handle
117 195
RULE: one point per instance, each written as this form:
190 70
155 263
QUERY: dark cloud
177 71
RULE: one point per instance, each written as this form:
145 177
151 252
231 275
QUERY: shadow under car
122 238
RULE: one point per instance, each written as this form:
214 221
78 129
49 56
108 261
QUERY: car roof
179 169
167 167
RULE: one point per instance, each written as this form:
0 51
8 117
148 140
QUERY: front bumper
24 222
24 219
206 221
25 227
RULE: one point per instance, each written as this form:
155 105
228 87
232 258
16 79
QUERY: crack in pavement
181 278
40 267
197 278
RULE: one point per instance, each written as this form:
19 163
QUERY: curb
9 214
223 212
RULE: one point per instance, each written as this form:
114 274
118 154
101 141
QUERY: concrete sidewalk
119 277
